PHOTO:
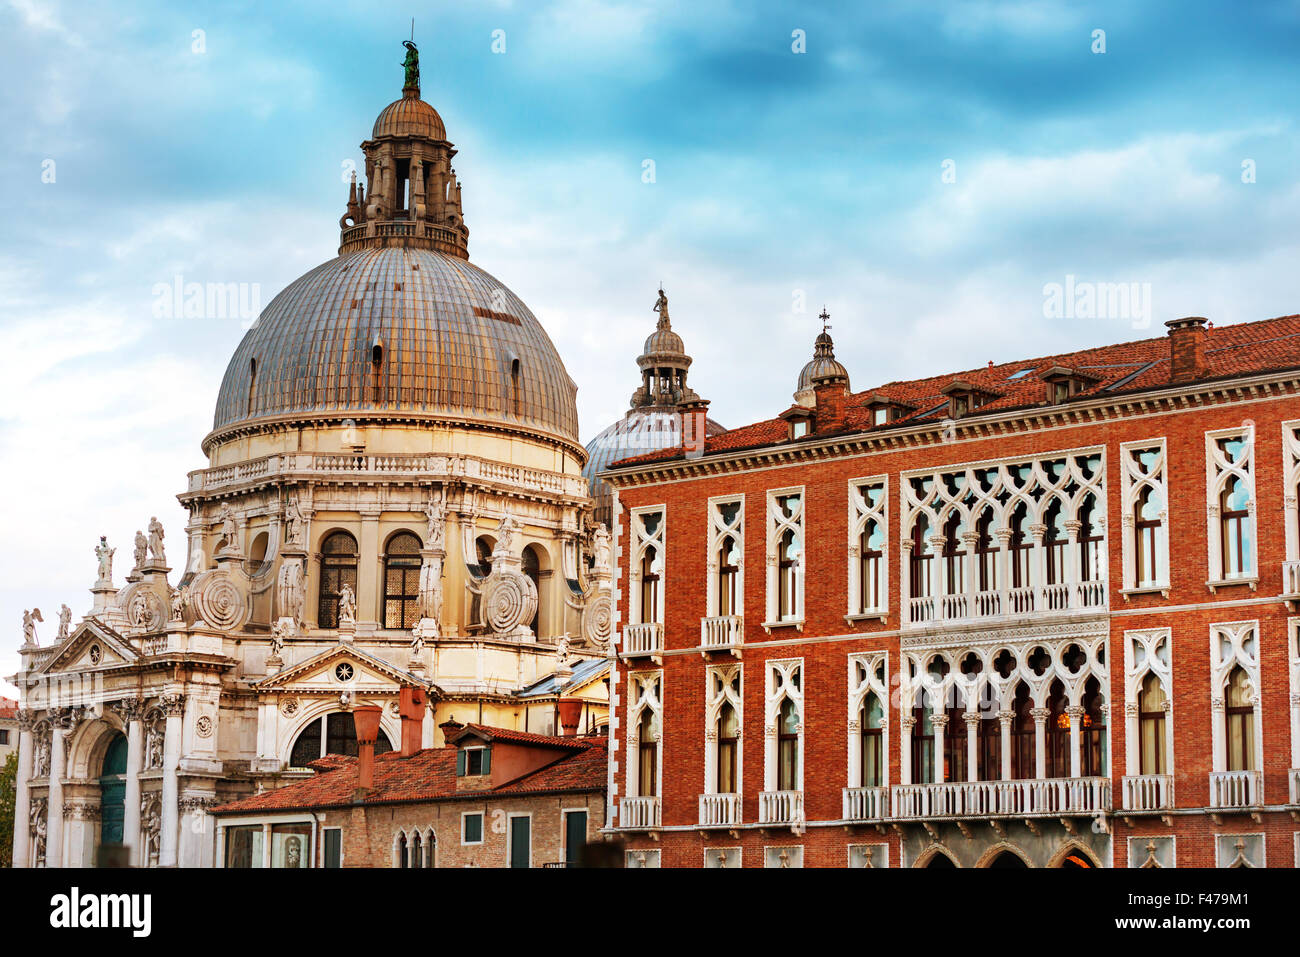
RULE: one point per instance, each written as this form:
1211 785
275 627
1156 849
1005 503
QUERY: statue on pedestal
65 622
30 618
105 556
141 550
156 540
347 605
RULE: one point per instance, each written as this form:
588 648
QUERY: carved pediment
341 668
91 645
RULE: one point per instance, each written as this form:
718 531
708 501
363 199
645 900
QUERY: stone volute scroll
598 609
509 596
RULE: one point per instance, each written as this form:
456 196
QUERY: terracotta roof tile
1236 350
428 775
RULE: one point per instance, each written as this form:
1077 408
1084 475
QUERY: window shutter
487 760
460 764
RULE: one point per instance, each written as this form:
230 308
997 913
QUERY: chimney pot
412 707
570 715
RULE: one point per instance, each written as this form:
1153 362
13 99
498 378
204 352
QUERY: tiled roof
1241 349
8 708
523 737
428 775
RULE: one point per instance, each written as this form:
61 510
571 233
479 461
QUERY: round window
344 672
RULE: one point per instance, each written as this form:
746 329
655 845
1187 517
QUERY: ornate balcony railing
866 804
1229 789
1028 798
719 810
1148 792
1060 598
722 631
646 638
638 812
780 807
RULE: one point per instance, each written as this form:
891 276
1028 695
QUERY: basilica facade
393 503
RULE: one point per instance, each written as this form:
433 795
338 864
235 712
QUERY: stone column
905 723
1004 567
1040 741
1076 721
940 723
972 719
131 711
938 573
196 832
1004 719
1038 565
173 707
370 597
970 542
23 798
54 821
1073 565
1132 744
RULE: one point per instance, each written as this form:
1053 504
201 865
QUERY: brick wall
825 669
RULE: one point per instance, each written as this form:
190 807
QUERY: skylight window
1021 374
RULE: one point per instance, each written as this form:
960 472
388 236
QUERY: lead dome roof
451 342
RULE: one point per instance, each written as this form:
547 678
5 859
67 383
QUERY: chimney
1187 348
570 715
367 721
450 728
832 396
414 703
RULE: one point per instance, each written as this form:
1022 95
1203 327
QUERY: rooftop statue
412 65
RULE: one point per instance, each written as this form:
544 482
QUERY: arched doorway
1008 860
941 861
112 791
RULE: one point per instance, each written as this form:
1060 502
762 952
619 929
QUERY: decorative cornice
1156 401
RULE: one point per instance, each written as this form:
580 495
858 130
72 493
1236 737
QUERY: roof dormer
1063 382
965 397
881 409
799 422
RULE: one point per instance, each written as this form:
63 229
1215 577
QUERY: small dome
823 366
409 116
664 341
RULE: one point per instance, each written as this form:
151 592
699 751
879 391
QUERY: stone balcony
866 804
1032 797
1148 792
722 633
311 466
1235 789
780 807
639 813
719 810
1029 600
646 638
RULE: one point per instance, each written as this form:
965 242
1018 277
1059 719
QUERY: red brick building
493 797
1041 613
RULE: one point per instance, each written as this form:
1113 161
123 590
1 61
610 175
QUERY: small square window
471 829
880 416
471 762
800 429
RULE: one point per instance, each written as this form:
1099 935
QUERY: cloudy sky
922 169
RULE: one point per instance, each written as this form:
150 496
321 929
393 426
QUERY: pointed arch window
954 554
1236 532
1092 548
1092 736
1023 735
986 551
648 753
1152 754
922 746
1055 542
728 575
728 739
954 745
920 560
1239 718
1021 546
873 756
787 746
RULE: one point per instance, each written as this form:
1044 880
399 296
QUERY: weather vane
825 317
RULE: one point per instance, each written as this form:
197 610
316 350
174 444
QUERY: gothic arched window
873 757
1239 717
1152 752
338 563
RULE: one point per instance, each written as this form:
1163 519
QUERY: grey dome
823 365
639 432
451 342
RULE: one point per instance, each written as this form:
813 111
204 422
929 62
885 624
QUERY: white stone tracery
1147 652
1290 491
1074 479
1232 645
1139 479
1220 470
972 680
720 528
868 674
784 681
644 690
1293 656
723 686
867 500
648 526
785 512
